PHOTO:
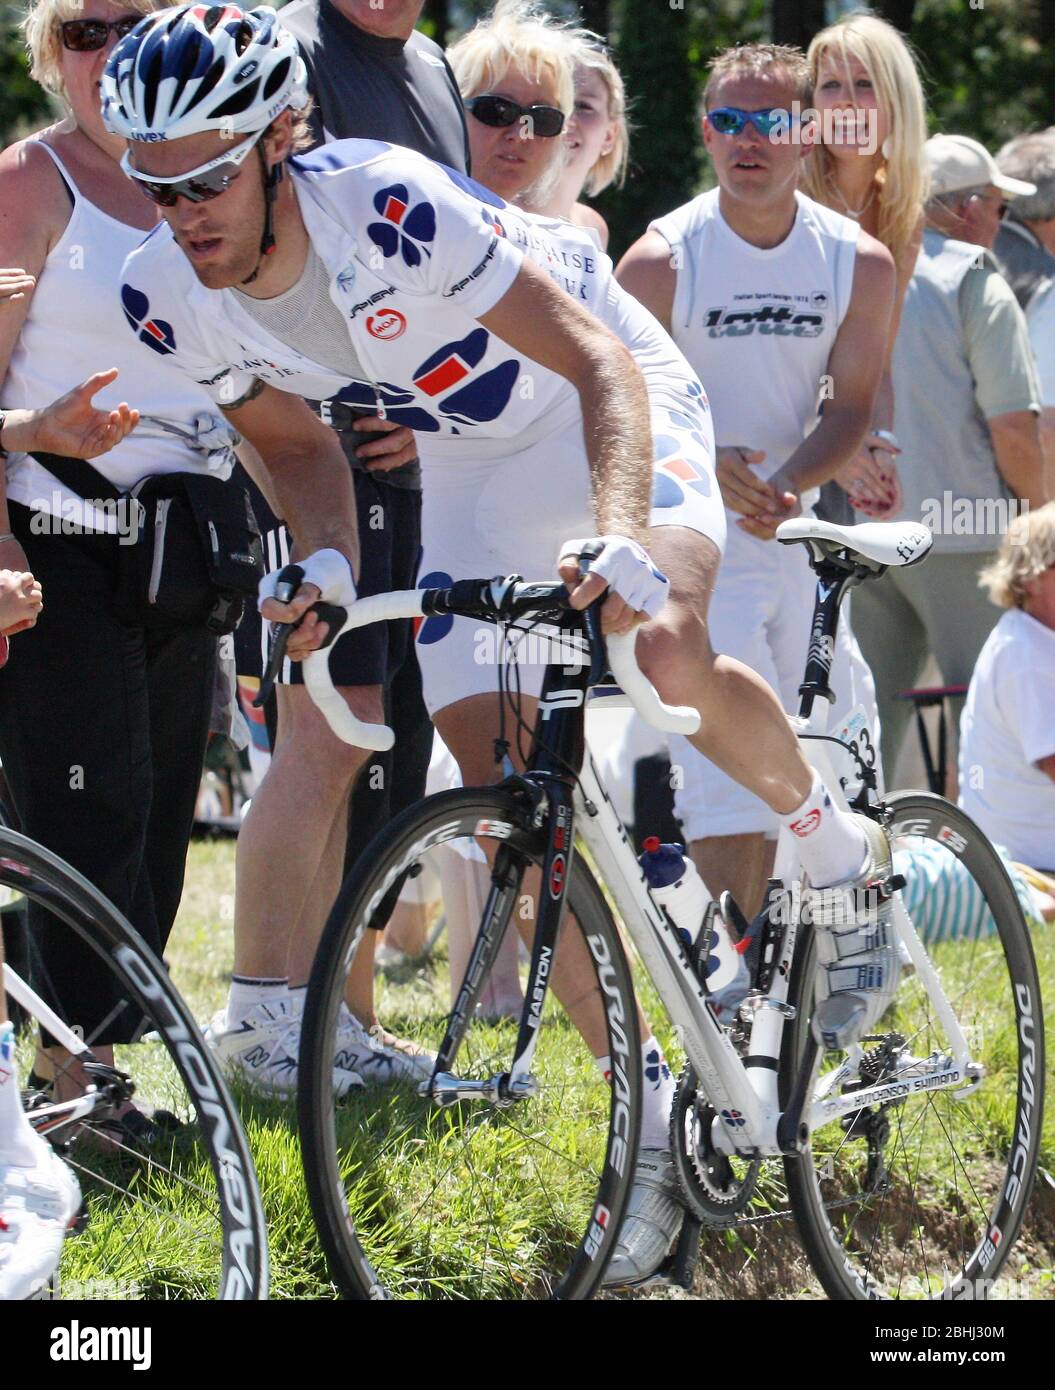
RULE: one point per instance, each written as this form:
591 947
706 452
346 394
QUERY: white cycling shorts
761 613
511 515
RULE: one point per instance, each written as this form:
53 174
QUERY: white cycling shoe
37 1206
262 1050
858 957
653 1219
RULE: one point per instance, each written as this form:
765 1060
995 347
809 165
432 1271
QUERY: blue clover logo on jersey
436 627
405 227
156 333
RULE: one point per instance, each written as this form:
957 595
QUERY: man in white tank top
780 305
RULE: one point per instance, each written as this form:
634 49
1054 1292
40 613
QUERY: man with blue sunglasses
782 307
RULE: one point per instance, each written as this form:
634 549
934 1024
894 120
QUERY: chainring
716 1187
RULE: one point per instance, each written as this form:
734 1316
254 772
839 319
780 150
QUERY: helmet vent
277 76
241 101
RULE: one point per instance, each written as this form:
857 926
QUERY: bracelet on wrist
7 536
888 437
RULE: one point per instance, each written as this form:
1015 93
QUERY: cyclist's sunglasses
89 35
199 185
546 121
730 120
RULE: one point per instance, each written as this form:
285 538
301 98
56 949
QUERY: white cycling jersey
415 253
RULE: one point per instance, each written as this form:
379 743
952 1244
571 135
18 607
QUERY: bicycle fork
507 876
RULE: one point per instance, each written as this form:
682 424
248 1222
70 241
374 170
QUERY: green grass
762 1261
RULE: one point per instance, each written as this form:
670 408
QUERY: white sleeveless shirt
76 326
758 325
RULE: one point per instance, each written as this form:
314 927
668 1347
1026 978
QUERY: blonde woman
540 67
515 72
868 164
1007 731
597 137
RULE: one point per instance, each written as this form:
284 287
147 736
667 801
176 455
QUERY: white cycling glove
629 570
326 568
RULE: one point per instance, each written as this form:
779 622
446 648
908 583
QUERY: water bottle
677 887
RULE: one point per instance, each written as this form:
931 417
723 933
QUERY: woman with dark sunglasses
102 723
514 74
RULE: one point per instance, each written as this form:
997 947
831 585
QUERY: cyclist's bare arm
647 272
855 366
310 480
540 321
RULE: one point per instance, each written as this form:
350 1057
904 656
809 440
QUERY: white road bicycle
907 1160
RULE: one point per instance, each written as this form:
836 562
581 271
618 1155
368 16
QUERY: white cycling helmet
202 67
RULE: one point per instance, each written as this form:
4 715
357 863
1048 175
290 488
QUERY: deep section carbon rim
923 1196
172 1215
475 1200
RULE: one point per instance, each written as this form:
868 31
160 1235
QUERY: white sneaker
37 1205
376 1055
263 1049
653 1218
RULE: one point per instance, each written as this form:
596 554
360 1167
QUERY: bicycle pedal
680 1266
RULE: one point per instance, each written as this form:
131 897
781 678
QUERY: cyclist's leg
287 830
743 727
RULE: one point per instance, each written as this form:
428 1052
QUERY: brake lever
591 617
289 581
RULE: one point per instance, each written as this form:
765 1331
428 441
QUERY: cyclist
407 286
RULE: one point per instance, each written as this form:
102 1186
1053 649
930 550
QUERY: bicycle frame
743 1092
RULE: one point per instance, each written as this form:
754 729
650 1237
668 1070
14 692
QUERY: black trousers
103 729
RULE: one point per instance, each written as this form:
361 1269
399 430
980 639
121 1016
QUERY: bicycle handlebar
495 600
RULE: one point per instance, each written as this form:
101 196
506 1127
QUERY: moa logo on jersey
156 333
388 324
406 226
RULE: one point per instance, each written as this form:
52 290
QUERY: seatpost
834 577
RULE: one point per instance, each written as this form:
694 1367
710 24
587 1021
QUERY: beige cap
957 161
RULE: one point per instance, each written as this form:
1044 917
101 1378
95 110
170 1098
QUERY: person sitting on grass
1007 731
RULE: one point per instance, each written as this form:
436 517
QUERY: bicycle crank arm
448 1089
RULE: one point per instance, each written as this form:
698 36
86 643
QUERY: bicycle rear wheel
175 1213
923 1196
478 1199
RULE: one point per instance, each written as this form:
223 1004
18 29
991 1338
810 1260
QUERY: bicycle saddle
882 542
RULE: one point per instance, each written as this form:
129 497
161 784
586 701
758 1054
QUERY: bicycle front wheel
171 1210
481 1198
923 1196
